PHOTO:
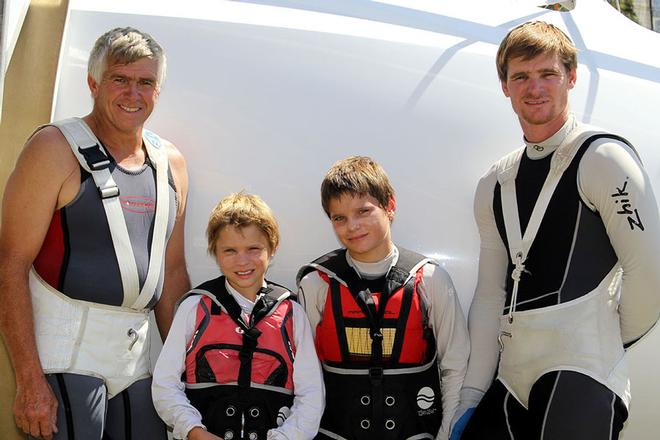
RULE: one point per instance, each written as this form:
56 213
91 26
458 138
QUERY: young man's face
538 89
126 94
362 226
242 255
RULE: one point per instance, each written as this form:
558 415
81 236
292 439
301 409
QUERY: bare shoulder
43 180
49 147
46 162
179 172
177 161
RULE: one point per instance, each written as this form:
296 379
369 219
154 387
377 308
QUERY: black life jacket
377 351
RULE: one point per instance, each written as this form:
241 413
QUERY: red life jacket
350 318
380 326
239 372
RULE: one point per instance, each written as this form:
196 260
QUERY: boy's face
243 254
362 226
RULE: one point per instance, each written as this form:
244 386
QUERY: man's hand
199 433
35 408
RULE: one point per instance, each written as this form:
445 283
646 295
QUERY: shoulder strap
95 160
520 244
335 265
158 157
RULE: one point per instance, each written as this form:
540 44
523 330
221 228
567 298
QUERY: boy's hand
199 433
461 423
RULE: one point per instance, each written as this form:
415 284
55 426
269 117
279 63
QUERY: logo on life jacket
425 398
282 415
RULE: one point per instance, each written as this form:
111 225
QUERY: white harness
581 335
110 342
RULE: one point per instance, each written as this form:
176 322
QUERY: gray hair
124 46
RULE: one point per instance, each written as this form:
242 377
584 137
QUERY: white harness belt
581 335
108 342
93 339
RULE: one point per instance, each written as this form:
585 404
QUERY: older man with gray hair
91 242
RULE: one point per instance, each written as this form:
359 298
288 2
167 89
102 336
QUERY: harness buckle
108 191
94 157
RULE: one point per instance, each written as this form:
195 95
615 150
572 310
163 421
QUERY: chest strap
94 159
507 169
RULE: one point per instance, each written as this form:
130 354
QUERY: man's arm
487 305
613 183
45 178
176 281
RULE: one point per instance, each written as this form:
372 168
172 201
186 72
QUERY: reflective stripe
201 386
331 434
386 371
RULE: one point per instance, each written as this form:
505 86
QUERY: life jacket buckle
376 374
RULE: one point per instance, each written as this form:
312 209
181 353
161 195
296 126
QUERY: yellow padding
359 341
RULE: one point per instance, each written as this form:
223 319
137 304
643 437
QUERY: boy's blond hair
356 176
531 39
241 210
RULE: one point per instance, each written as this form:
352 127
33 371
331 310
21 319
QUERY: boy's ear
391 208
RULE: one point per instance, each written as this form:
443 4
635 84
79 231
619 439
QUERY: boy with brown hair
239 360
388 326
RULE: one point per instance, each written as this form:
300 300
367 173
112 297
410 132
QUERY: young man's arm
309 391
44 177
613 183
176 281
451 335
487 304
312 293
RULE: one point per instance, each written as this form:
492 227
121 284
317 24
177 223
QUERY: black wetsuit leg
131 415
498 416
566 405
81 406
563 405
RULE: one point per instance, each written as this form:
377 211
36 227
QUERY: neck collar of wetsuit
539 150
